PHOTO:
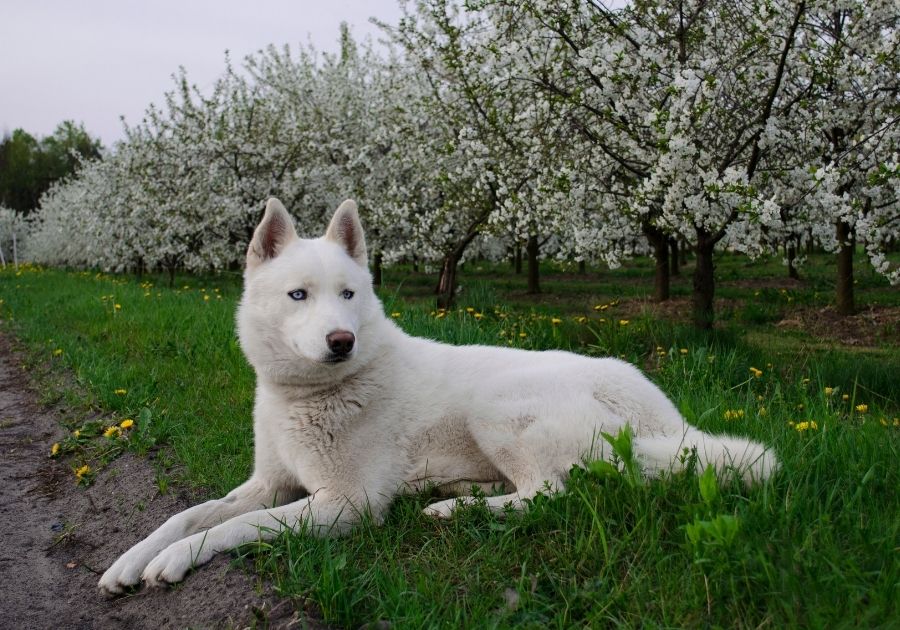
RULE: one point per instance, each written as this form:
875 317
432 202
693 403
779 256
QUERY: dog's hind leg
249 496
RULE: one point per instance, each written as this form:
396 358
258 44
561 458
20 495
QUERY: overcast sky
93 61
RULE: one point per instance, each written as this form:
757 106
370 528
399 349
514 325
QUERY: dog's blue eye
298 294
347 294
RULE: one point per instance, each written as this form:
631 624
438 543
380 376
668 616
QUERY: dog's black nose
340 342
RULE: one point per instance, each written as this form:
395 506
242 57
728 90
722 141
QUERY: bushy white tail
751 460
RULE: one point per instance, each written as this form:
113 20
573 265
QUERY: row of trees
562 128
29 165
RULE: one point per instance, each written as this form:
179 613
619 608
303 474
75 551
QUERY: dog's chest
323 417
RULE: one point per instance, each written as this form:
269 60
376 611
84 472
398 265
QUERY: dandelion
555 321
478 315
756 372
862 408
623 322
581 319
523 334
884 423
205 298
763 412
441 315
395 314
112 432
800 427
469 309
683 351
81 472
734 414
54 450
127 423
829 391
77 433
845 397
120 392
805 381
57 352
118 307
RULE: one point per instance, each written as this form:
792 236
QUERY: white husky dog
350 411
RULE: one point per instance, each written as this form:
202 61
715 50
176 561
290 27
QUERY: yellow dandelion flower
479 315
395 314
77 433
829 391
127 423
523 334
806 425
845 397
734 414
118 307
112 431
862 408
57 352
469 309
756 372
659 348
683 351
120 392
581 319
884 423
441 315
205 298
623 322
555 321
896 422
81 472
763 412
805 381
54 450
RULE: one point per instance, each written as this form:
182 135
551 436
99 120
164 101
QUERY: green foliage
29 166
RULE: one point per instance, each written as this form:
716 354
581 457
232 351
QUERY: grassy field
816 547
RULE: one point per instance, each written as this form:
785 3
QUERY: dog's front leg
126 571
320 514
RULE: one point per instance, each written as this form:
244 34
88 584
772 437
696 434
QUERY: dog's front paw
173 562
126 571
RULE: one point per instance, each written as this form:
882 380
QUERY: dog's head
306 302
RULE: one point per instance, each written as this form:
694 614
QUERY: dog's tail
751 460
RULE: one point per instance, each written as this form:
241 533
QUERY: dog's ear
272 235
346 230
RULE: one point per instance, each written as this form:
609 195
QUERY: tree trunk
517 259
704 282
446 288
532 249
674 266
416 265
660 244
377 274
845 301
684 253
582 267
791 252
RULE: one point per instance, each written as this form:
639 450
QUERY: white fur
335 439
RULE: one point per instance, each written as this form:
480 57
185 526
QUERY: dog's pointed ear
272 235
346 230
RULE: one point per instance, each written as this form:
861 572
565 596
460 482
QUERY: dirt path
55 538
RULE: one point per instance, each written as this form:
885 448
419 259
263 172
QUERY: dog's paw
170 566
441 509
174 562
125 572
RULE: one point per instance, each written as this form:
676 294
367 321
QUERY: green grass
817 547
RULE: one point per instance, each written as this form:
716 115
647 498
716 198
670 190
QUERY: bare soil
56 538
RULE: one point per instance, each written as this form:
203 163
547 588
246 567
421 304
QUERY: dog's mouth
336 358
